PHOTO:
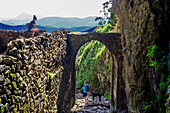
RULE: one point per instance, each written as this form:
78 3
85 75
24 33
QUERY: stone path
91 106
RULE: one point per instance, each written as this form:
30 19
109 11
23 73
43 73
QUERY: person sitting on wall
32 27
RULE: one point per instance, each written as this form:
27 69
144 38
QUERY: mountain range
55 22
48 29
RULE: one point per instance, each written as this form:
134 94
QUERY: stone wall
30 73
142 23
5 35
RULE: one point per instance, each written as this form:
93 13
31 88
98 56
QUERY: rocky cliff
30 73
143 23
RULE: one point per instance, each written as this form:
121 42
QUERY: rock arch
112 41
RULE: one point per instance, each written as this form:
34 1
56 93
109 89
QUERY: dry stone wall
30 73
9 34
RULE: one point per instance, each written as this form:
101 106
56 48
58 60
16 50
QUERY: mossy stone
14 84
2 108
13 76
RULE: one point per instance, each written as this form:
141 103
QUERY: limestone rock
2 78
142 24
13 51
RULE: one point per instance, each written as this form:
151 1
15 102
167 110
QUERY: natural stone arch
112 41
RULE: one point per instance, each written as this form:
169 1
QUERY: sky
45 8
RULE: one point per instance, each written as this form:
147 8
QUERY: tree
108 21
108 15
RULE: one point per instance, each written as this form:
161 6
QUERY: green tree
108 21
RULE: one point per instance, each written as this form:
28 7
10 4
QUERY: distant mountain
21 19
67 22
15 28
48 29
23 27
23 16
56 22
80 29
15 22
90 30
50 23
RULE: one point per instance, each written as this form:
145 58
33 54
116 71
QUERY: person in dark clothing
32 27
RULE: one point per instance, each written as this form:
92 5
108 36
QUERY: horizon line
40 16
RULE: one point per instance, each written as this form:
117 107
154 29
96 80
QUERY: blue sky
62 8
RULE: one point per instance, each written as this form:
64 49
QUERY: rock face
30 73
142 23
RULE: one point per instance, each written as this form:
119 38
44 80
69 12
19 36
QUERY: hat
34 17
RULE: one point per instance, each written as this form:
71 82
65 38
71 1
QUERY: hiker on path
32 27
85 89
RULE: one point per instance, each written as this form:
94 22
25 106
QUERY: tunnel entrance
93 64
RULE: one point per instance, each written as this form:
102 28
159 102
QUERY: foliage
159 65
93 64
51 75
2 108
108 16
109 22
108 96
54 108
107 28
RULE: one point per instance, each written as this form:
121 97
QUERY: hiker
85 90
32 27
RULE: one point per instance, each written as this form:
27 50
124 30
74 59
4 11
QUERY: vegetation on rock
160 82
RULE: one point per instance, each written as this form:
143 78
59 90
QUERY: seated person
32 27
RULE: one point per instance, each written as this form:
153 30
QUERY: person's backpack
87 88
27 25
